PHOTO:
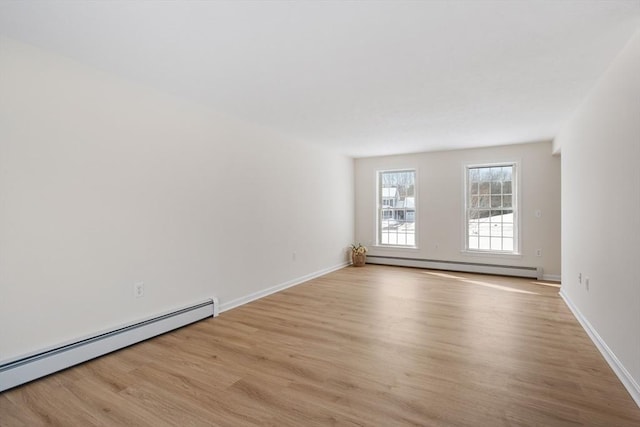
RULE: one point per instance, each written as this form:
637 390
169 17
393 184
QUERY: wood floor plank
371 346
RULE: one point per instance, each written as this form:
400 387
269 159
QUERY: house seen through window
397 208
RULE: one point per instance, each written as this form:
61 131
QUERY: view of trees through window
491 208
397 208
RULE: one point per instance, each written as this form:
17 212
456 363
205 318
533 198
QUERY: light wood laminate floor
375 346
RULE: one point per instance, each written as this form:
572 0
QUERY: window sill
396 248
491 254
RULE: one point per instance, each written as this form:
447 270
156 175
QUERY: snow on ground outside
491 233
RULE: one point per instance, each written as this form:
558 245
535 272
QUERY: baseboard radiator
40 364
467 267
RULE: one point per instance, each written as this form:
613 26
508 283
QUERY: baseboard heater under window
40 364
467 267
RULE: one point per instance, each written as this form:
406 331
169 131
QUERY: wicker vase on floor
359 260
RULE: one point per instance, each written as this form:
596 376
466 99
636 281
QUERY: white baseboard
625 377
277 288
35 365
467 267
552 277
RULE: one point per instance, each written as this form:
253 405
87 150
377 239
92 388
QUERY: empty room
310 213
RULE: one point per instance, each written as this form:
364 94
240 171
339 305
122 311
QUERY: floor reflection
481 283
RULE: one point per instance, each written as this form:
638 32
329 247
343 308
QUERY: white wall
104 183
440 202
601 209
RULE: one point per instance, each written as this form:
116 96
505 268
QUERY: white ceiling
368 78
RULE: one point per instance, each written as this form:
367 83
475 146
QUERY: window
397 208
491 208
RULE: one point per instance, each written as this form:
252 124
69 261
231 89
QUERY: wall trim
625 377
468 267
552 277
38 364
280 287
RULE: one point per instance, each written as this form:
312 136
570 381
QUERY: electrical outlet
586 283
538 213
138 289
294 255
580 278
538 252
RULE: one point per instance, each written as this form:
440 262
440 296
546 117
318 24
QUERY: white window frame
378 208
516 196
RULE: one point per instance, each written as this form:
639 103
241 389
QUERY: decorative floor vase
359 260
